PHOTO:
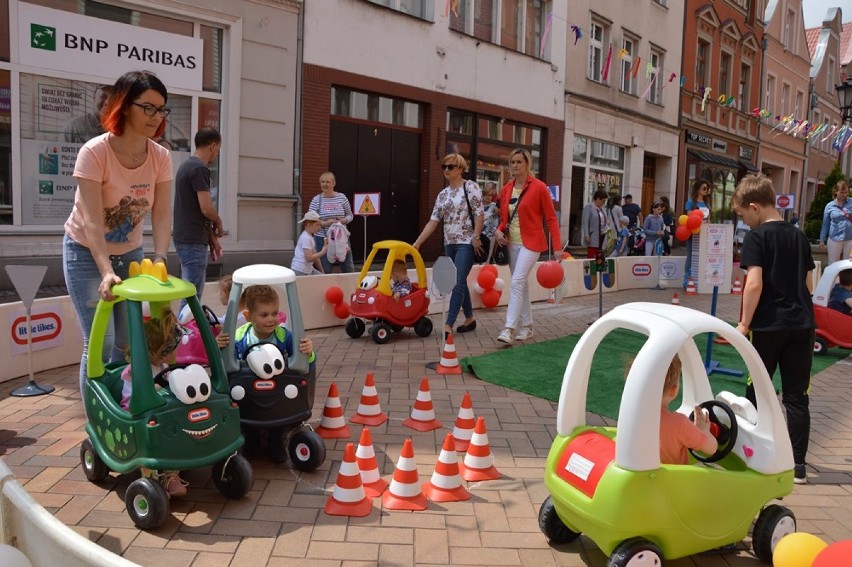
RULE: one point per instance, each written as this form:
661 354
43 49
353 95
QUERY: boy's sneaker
174 484
800 474
524 334
506 336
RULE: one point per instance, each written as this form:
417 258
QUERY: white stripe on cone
480 463
404 490
347 495
421 415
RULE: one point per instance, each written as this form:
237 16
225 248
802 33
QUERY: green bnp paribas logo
42 37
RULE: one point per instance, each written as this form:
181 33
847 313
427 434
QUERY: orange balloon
490 298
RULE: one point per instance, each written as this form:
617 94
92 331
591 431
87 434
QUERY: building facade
621 103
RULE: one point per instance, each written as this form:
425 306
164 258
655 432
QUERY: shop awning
749 166
716 158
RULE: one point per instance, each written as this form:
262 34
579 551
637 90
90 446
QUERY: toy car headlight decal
265 361
369 282
190 385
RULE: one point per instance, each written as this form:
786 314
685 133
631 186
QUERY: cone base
475 475
441 369
358 509
422 426
375 489
338 433
371 420
461 445
436 494
414 503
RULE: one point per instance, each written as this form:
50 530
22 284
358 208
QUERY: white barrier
46 541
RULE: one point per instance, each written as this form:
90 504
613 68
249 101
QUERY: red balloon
489 268
490 298
697 212
835 555
550 274
486 279
693 222
341 310
682 233
334 295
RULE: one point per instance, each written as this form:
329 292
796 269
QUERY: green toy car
190 422
608 483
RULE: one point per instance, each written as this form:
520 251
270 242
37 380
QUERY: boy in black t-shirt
777 310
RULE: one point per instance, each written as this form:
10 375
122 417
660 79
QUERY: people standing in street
122 175
614 211
699 199
332 207
837 224
633 212
668 222
594 223
459 206
654 229
526 206
195 214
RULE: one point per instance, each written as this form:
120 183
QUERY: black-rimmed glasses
449 166
151 110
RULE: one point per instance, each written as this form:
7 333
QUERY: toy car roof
826 281
269 274
150 282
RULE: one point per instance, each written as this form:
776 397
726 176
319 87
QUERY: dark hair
614 200
257 294
629 196
600 194
125 91
696 186
207 136
846 277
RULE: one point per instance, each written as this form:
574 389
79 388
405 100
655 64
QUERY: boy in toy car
840 298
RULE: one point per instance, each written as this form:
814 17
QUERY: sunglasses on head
449 166
174 340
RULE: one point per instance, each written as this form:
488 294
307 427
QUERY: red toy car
833 328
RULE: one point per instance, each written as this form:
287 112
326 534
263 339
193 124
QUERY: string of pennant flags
791 125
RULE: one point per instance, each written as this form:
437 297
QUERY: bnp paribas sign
63 41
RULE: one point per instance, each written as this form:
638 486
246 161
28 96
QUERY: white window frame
596 45
628 83
727 78
701 78
744 87
658 61
769 95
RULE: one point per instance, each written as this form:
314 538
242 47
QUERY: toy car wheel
355 328
820 346
147 503
773 523
307 450
396 328
423 327
93 467
636 552
380 333
233 476
552 527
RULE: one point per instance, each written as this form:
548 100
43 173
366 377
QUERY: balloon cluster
689 224
800 549
334 295
489 286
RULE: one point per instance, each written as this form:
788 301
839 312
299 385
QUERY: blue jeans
347 266
82 279
462 257
193 266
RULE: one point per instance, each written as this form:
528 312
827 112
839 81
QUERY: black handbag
501 251
478 257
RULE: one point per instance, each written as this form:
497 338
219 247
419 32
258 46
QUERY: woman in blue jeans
121 176
461 235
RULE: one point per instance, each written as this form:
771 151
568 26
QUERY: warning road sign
367 204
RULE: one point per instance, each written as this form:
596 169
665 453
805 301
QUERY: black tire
423 327
147 503
639 549
820 346
773 523
307 450
93 467
380 332
233 476
552 527
355 327
396 328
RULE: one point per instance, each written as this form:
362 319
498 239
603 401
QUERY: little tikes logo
642 270
43 37
264 385
196 415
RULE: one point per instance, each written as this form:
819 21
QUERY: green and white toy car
608 482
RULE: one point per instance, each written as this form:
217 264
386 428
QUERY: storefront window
375 108
602 165
5 148
608 155
208 117
580 149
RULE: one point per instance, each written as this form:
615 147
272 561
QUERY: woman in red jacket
524 203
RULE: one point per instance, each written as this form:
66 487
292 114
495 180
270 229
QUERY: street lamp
844 95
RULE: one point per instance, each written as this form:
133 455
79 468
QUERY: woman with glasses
698 199
525 205
459 205
122 175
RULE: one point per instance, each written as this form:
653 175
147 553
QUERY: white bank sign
58 40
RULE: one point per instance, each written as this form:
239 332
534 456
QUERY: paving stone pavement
281 521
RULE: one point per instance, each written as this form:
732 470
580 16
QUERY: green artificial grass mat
537 368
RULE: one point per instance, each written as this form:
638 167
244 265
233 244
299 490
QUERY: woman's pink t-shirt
128 194
677 434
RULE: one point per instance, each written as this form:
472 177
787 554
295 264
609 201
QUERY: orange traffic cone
333 425
369 411
423 414
478 462
737 288
690 287
446 484
404 491
449 361
373 483
465 421
348 498
675 299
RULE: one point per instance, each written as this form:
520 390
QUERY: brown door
649 175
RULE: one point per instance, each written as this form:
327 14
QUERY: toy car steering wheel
161 380
212 318
726 436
